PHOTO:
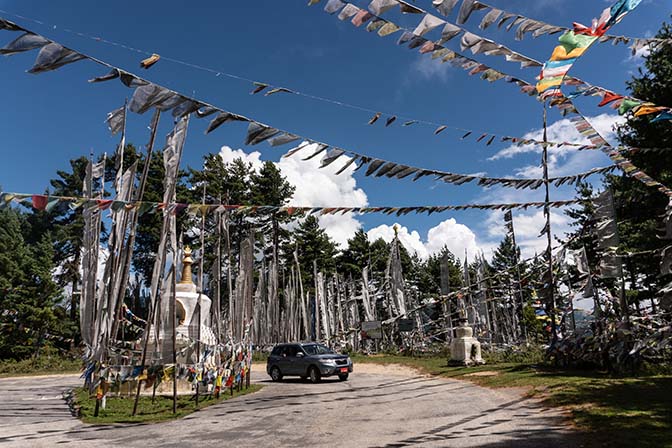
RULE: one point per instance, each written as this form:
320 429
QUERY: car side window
291 351
276 351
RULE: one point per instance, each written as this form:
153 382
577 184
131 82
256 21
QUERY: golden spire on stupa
187 261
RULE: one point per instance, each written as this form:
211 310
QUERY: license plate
344 370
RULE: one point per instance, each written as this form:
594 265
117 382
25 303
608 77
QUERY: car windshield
317 349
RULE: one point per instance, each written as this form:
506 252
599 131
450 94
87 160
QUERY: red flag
608 98
104 204
39 201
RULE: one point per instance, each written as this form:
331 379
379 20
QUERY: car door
293 362
301 361
283 361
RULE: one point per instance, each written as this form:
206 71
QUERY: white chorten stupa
188 318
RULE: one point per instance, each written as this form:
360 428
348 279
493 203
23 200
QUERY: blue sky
50 118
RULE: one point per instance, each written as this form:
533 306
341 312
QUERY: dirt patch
386 369
483 373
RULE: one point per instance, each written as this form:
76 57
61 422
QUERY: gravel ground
379 406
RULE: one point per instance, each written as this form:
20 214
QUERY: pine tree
355 256
428 273
28 293
314 245
505 257
269 187
68 228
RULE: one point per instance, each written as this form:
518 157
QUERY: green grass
258 356
47 364
614 411
119 409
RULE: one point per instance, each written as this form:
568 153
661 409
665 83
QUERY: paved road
369 410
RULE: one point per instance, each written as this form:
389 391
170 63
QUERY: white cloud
431 68
315 186
409 239
229 154
457 237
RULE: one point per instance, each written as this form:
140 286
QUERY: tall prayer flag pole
547 213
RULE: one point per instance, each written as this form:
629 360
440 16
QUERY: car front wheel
343 377
275 374
314 375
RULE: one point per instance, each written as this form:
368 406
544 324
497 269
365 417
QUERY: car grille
341 362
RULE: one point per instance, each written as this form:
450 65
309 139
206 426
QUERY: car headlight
329 362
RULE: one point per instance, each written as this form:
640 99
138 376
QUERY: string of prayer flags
526 25
43 202
477 44
436 49
623 104
51 55
380 167
574 43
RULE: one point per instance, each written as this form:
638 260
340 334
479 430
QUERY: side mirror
299 355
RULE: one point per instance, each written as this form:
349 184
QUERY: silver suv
307 360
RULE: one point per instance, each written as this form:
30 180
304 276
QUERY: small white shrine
465 349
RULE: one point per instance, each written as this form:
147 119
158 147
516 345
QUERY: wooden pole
173 318
571 301
200 291
229 280
547 212
523 329
140 193
623 299
218 289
